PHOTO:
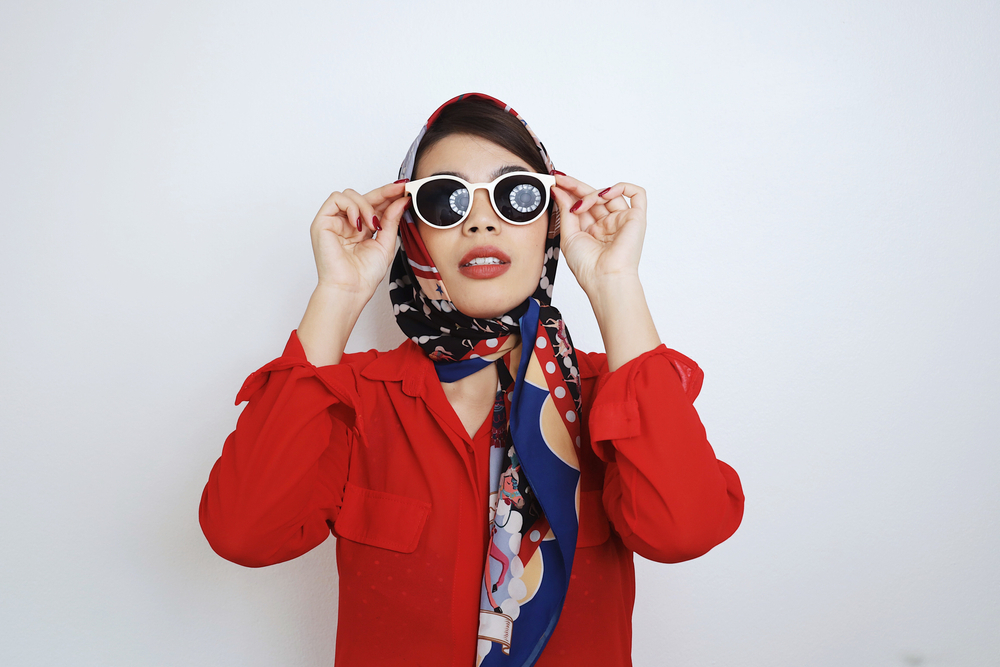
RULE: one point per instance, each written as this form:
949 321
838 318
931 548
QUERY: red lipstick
483 262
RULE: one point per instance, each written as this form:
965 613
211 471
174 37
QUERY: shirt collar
410 365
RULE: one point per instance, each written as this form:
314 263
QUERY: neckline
487 425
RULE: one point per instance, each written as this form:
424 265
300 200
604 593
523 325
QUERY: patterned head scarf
535 434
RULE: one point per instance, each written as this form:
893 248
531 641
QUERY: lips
485 261
485 251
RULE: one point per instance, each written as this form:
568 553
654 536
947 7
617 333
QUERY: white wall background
823 239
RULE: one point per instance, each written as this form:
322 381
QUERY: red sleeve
666 494
281 475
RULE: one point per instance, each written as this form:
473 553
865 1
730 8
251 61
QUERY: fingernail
557 172
359 224
378 227
402 180
603 192
575 206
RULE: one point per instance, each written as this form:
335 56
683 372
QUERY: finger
367 217
615 191
580 190
385 195
583 219
390 224
613 197
569 222
342 209
572 185
332 205
599 209
636 195
590 208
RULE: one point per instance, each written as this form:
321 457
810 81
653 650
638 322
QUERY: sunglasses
520 198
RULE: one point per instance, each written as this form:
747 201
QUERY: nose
482 217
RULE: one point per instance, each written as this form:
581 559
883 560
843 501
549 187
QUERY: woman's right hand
351 258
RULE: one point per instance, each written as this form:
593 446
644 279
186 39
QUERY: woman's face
485 291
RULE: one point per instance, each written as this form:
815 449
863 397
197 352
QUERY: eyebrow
506 169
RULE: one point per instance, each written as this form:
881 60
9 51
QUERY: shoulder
390 365
369 363
360 361
591 364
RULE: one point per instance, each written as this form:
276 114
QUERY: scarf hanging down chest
534 439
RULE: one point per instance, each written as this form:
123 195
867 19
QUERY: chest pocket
594 525
381 519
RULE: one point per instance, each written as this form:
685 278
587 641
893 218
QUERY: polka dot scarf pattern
534 438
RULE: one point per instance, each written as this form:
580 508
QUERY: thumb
390 225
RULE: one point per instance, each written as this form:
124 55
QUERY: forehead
472 157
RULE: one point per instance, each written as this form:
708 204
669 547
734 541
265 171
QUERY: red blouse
371 450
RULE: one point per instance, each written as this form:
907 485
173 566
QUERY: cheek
436 243
540 240
537 257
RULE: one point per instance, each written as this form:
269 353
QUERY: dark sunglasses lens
442 202
520 197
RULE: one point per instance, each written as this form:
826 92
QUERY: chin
484 308
483 301
483 312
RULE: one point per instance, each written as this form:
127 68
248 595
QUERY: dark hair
485 119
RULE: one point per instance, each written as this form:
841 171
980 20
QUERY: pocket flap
381 519
594 525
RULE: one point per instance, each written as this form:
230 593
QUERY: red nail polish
603 192
359 224
576 206
402 180
554 172
378 227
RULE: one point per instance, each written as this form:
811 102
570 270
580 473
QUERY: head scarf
535 434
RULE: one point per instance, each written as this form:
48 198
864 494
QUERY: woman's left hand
601 233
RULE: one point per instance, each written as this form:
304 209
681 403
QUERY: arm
281 475
280 479
666 494
602 242
622 314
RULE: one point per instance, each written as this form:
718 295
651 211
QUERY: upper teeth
484 260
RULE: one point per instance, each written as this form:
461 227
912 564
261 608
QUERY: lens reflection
442 202
519 197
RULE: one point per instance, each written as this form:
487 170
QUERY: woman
487 496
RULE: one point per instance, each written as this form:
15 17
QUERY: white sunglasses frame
547 180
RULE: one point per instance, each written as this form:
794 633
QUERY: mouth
481 261
484 254
484 262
